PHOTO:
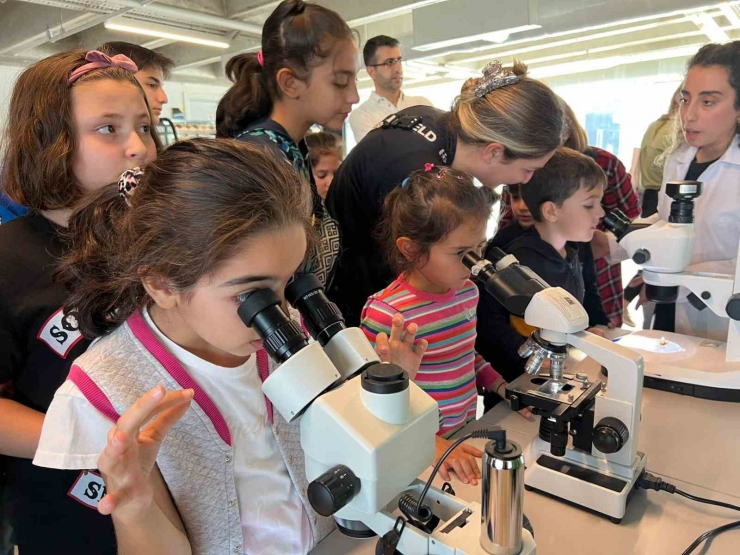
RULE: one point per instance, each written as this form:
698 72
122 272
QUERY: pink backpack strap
146 337
92 393
263 365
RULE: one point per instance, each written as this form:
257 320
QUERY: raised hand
131 452
401 348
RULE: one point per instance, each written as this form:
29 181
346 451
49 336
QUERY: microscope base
581 479
458 532
689 366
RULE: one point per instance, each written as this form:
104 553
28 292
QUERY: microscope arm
625 365
714 290
623 397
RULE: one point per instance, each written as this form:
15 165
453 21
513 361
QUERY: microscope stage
686 365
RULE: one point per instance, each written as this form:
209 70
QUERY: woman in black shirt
502 128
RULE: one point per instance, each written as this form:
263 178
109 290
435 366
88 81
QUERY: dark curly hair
428 207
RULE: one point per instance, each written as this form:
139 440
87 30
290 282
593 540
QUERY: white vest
196 458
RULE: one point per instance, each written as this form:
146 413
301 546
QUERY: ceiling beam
195 56
192 16
247 9
64 30
40 31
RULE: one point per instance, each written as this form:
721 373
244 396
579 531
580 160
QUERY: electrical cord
416 507
711 534
650 481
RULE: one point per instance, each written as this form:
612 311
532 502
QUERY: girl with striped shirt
428 224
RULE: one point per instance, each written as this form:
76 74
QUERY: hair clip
441 172
494 77
128 183
405 182
428 167
261 58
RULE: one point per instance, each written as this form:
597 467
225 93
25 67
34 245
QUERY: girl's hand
402 348
527 414
596 331
131 452
600 244
461 460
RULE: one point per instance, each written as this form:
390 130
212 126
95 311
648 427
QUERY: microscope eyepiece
282 336
616 222
321 316
512 285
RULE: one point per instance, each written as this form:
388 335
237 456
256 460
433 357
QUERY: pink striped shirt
451 367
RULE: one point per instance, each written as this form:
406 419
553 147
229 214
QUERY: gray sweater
197 458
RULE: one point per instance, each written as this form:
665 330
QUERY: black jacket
38 345
497 340
378 164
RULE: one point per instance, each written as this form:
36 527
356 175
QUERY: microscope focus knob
641 256
610 435
331 491
733 307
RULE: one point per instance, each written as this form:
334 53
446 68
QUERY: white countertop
689 442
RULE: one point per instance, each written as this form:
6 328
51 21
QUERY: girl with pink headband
76 121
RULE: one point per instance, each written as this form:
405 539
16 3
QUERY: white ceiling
442 39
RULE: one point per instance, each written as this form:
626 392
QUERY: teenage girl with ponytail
304 75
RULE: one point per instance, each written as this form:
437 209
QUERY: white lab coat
717 226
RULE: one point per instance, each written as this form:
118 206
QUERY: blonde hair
524 117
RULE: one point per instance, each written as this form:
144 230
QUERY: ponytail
102 293
247 100
297 36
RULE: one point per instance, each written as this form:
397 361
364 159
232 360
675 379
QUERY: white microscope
586 452
674 362
368 432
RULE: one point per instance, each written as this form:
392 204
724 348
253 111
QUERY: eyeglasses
388 63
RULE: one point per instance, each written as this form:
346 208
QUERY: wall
634 96
8 75
198 102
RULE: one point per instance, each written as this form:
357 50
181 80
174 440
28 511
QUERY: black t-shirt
697 168
379 163
38 345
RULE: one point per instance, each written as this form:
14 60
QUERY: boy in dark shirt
563 199
505 234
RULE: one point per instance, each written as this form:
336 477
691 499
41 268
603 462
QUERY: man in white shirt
383 62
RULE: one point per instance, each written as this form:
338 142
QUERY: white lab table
689 442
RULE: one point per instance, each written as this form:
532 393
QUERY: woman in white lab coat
708 150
